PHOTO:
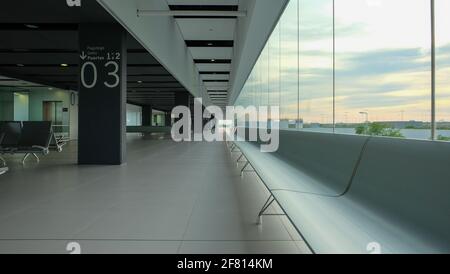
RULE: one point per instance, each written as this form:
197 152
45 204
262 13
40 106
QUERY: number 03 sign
90 67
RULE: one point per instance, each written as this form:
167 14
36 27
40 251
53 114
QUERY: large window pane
288 27
383 65
274 67
316 65
442 13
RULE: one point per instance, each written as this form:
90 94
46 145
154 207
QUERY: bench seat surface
342 225
399 198
279 175
307 162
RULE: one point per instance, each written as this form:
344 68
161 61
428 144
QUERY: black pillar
102 96
147 116
168 119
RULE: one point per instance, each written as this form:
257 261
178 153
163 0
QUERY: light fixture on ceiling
64 65
213 60
210 44
20 65
140 82
30 26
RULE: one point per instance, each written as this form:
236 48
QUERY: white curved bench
307 162
398 196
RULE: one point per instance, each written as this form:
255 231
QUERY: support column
147 116
102 94
168 119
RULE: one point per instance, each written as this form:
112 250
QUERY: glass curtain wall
442 22
357 67
316 64
383 69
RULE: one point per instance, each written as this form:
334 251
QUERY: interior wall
38 96
21 106
6 106
28 106
134 115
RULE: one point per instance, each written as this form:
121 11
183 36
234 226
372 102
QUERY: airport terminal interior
359 99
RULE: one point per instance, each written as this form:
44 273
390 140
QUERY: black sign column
147 116
102 105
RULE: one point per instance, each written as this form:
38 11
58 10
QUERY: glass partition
356 67
442 21
289 58
383 72
316 65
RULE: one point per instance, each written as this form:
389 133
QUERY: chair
35 139
11 132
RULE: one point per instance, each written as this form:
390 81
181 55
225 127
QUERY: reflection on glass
382 69
442 21
316 64
288 27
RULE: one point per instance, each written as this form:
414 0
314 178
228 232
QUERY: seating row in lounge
28 138
351 194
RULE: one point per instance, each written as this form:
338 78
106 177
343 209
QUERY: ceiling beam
209 13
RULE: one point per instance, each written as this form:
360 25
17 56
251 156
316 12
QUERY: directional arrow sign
83 55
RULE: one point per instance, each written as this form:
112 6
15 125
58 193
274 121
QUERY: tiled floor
169 198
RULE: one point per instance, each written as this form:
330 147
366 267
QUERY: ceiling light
140 82
30 26
210 44
64 65
20 65
213 60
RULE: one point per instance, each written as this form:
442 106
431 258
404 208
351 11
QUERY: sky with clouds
383 58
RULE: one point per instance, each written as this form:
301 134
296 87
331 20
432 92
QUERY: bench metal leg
3 170
25 158
243 168
266 205
239 158
3 161
37 158
27 155
232 147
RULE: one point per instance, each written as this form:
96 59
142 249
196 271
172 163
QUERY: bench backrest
11 133
331 158
36 134
407 181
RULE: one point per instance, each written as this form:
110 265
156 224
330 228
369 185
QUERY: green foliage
378 129
443 138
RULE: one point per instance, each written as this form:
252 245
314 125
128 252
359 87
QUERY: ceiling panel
215 77
207 28
214 67
219 85
202 2
211 53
